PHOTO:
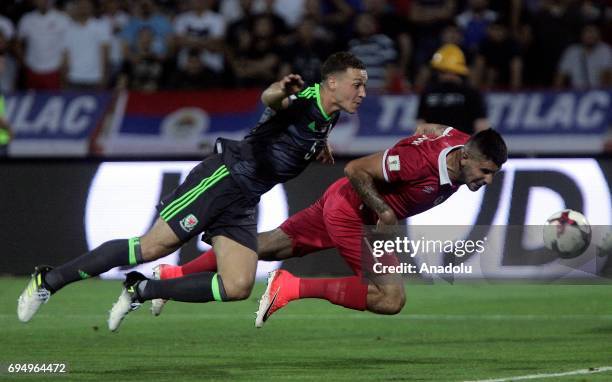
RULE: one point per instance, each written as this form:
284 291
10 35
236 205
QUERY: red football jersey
415 172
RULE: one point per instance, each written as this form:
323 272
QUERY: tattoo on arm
364 185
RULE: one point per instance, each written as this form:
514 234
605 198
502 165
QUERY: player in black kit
219 198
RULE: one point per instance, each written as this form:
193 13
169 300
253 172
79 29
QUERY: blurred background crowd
149 45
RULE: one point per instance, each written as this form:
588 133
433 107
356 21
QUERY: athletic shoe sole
266 302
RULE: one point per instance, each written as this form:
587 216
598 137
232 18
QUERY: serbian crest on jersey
393 162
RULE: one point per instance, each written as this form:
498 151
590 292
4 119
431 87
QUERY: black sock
111 254
197 287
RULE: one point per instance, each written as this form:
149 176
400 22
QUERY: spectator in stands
202 30
376 50
41 34
234 10
451 34
587 64
270 9
333 15
117 19
7 28
240 25
194 75
8 64
395 27
549 29
145 15
290 12
143 69
428 18
448 99
474 22
498 63
86 48
256 61
306 53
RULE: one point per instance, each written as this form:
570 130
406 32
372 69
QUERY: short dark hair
339 62
490 144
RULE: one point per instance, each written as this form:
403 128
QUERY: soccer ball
568 233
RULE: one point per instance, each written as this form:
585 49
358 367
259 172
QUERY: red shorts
333 221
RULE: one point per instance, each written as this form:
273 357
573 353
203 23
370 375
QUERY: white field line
591 370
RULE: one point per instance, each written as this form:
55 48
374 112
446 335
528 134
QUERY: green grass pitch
466 331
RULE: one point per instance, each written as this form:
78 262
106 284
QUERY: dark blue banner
56 116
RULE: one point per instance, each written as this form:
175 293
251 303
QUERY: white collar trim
442 169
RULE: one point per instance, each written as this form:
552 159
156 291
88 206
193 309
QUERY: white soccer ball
568 233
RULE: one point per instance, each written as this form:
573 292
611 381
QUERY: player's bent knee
397 304
238 288
390 300
391 305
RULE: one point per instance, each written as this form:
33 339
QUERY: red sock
349 292
206 262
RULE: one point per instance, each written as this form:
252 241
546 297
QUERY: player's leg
328 226
234 281
303 233
273 245
158 242
386 294
382 295
300 234
233 234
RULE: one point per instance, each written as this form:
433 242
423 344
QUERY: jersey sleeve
403 162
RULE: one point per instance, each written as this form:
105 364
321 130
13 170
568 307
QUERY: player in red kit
413 176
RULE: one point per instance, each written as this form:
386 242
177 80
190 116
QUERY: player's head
345 77
482 157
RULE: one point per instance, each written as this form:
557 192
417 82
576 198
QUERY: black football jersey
282 144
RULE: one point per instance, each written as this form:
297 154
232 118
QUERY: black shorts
210 201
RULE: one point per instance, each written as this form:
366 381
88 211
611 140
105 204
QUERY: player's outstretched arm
363 173
430 129
276 95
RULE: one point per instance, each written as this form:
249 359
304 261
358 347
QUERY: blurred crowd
148 45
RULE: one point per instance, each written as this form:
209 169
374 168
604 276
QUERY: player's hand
326 155
291 84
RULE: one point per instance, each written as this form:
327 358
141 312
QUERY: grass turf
445 333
